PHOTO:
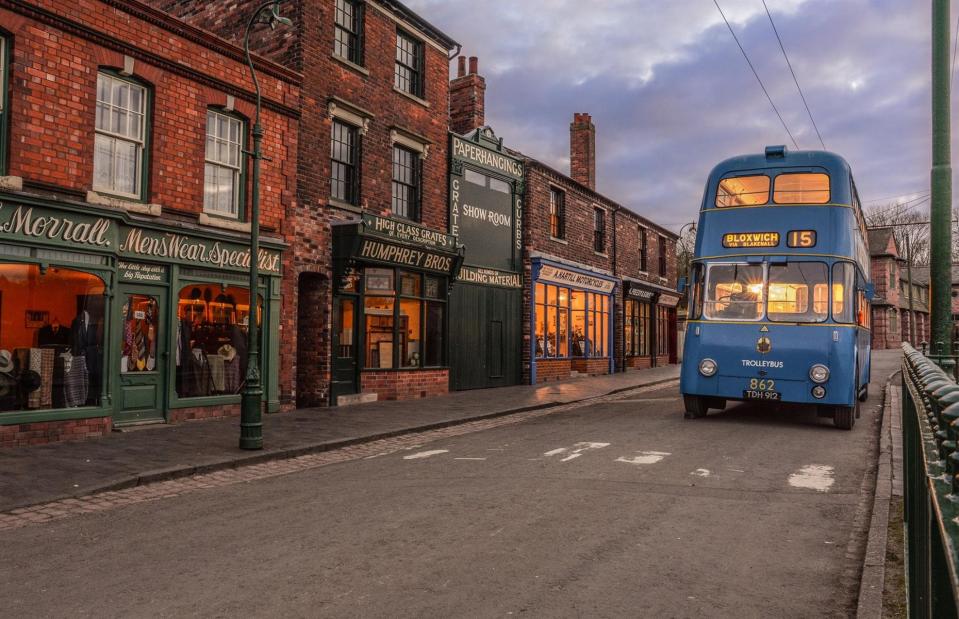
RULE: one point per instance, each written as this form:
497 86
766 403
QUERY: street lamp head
275 17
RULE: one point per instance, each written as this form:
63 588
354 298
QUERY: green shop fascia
107 314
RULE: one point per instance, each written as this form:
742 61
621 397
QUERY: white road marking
426 454
469 458
644 457
575 451
814 477
644 400
701 473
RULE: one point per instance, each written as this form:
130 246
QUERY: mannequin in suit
53 334
85 341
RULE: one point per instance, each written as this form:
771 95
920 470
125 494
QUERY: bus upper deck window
801 188
743 191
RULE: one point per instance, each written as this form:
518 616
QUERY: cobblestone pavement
48 512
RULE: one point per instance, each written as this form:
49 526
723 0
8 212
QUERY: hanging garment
231 375
198 380
217 373
74 389
53 335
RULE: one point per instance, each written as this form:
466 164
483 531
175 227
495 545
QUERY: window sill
349 64
412 97
598 253
558 240
125 204
346 206
11 183
216 221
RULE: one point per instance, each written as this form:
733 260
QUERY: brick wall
582 150
179 415
549 369
467 98
39 433
399 385
368 88
593 367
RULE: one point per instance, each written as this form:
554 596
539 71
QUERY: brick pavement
109 500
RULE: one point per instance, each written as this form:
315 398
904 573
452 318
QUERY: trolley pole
940 263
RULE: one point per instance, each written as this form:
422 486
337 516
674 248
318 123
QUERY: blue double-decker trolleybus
779 287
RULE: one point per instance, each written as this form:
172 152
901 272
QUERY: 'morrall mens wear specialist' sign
556 275
69 229
489 277
144 243
404 232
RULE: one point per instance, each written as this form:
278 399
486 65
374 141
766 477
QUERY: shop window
141 316
579 324
211 338
570 323
223 171
348 38
598 327
552 321
403 328
408 71
557 213
51 337
407 181
344 167
637 328
662 331
121 131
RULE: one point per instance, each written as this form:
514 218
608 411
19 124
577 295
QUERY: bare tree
905 219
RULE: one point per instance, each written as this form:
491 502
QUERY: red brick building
124 227
602 279
371 257
891 322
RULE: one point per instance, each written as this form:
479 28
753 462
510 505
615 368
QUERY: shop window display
51 337
570 323
211 349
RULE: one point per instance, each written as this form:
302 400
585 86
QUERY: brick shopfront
110 319
390 319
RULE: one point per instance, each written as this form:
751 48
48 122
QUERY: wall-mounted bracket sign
750 239
557 275
668 301
404 232
489 277
381 251
644 294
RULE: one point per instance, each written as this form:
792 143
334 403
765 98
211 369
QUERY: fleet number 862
762 384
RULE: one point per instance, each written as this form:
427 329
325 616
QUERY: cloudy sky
671 94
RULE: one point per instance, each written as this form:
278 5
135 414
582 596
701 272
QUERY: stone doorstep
356 398
135 426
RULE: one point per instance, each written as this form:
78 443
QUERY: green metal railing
930 427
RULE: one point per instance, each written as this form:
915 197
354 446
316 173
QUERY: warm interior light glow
743 191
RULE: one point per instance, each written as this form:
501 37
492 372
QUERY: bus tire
844 417
695 405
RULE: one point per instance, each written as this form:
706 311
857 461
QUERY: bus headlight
707 367
819 373
818 392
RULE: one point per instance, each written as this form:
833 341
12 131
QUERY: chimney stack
582 150
467 97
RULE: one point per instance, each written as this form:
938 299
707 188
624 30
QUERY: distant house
892 322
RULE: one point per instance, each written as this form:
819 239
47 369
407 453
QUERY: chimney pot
474 65
467 98
461 66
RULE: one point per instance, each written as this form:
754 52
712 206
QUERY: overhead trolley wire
761 85
793 73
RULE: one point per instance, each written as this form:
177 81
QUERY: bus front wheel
844 417
696 406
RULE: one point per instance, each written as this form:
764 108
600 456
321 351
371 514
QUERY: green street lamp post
940 218
251 402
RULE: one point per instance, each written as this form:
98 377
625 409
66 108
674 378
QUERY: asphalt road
615 509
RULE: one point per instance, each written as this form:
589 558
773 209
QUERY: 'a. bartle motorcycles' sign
68 229
573 278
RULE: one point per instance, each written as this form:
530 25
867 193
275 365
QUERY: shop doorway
142 364
345 368
485 334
